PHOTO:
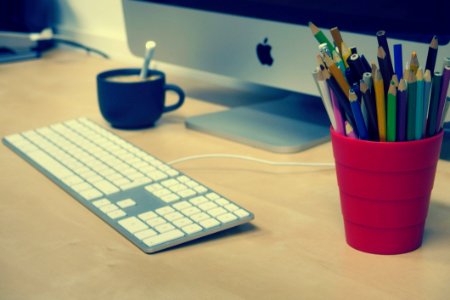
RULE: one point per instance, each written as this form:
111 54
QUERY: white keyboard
150 203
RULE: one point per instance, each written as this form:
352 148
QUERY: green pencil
320 36
434 102
419 104
412 95
392 112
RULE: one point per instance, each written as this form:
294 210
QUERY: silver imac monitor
268 46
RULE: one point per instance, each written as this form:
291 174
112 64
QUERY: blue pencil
402 110
398 60
357 114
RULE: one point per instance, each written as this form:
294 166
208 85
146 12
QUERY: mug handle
179 91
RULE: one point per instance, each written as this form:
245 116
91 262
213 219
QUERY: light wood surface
51 247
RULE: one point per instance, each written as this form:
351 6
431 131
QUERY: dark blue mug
127 101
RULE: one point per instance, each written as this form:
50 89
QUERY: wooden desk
51 247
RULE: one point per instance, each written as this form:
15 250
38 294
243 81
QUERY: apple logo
263 52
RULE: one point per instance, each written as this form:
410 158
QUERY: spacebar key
164 237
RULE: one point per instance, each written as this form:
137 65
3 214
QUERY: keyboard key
191 229
106 187
186 193
164 227
222 201
133 224
126 203
165 210
164 237
241 213
108 208
173 216
182 222
170 198
182 205
147 215
198 200
101 202
116 214
217 211
145 234
199 217
91 194
213 196
190 211
231 207
207 205
226 218
209 223
155 221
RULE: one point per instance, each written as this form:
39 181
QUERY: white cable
273 163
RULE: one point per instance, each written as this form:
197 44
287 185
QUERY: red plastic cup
385 190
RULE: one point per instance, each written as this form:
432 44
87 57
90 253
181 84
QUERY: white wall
98 24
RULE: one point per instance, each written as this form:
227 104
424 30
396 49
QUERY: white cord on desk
273 163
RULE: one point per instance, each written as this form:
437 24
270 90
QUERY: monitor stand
291 124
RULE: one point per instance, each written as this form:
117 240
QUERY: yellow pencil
337 74
380 103
414 62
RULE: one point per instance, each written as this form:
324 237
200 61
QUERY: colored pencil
398 60
320 36
419 104
324 50
349 131
426 99
356 65
337 38
446 108
380 104
374 70
395 80
383 64
350 76
447 61
434 103
345 53
382 42
325 95
342 98
414 63
338 61
337 74
337 113
372 126
367 77
402 109
357 114
366 64
432 54
391 113
355 88
442 97
412 95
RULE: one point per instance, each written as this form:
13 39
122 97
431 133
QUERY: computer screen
269 43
